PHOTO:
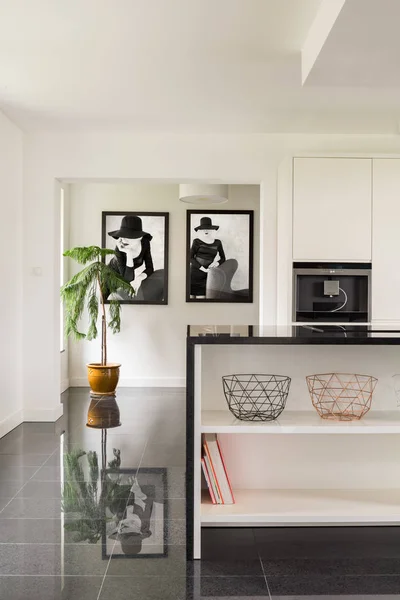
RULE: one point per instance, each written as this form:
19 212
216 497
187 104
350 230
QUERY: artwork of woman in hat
134 262
206 253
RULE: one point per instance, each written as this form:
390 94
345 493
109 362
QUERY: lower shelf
304 507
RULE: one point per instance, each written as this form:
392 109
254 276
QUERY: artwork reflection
139 529
125 508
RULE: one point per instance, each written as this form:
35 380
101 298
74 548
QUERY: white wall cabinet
386 240
332 206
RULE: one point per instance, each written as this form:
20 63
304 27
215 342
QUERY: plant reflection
85 502
126 508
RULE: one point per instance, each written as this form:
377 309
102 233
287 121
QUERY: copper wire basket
341 396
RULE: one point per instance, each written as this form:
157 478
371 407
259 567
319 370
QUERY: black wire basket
256 397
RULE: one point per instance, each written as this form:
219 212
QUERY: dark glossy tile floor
123 536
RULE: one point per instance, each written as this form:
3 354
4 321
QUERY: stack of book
214 470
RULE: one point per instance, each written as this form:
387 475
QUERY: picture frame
141 531
219 268
140 259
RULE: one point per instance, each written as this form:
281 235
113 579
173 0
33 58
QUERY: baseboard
9 423
37 414
169 382
64 385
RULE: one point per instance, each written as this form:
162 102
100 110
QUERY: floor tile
329 586
131 451
8 489
175 588
24 460
49 588
164 455
3 503
51 428
226 568
32 434
53 460
28 446
14 434
44 531
149 588
47 508
16 473
47 473
40 489
214 587
163 535
30 559
175 532
172 565
83 531
176 481
176 508
30 531
35 559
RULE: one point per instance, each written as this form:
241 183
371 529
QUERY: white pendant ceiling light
199 193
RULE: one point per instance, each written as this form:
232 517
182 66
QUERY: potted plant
91 288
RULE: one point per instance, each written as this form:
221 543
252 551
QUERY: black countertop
305 334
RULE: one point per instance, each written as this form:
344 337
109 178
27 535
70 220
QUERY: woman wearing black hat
133 259
206 253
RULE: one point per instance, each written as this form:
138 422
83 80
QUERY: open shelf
304 507
297 422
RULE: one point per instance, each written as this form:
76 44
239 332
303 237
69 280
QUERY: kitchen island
299 470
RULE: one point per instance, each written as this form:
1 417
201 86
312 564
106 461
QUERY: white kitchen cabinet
386 240
332 209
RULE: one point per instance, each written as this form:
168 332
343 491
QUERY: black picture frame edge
249 212
105 213
130 471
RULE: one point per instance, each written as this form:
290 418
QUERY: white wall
151 345
11 409
245 159
64 358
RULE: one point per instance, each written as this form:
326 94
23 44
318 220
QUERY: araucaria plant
90 288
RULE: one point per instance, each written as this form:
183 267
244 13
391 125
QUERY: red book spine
207 478
225 469
213 471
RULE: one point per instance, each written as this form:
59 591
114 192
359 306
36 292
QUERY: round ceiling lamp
199 193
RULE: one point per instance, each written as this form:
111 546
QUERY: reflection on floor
88 514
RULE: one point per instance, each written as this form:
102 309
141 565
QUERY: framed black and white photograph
219 263
140 241
139 530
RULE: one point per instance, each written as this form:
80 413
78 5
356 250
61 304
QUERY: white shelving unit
255 507
301 422
299 470
304 507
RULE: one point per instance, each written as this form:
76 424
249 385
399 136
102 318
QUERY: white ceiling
363 48
195 66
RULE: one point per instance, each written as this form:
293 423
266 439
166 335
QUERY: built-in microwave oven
334 292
